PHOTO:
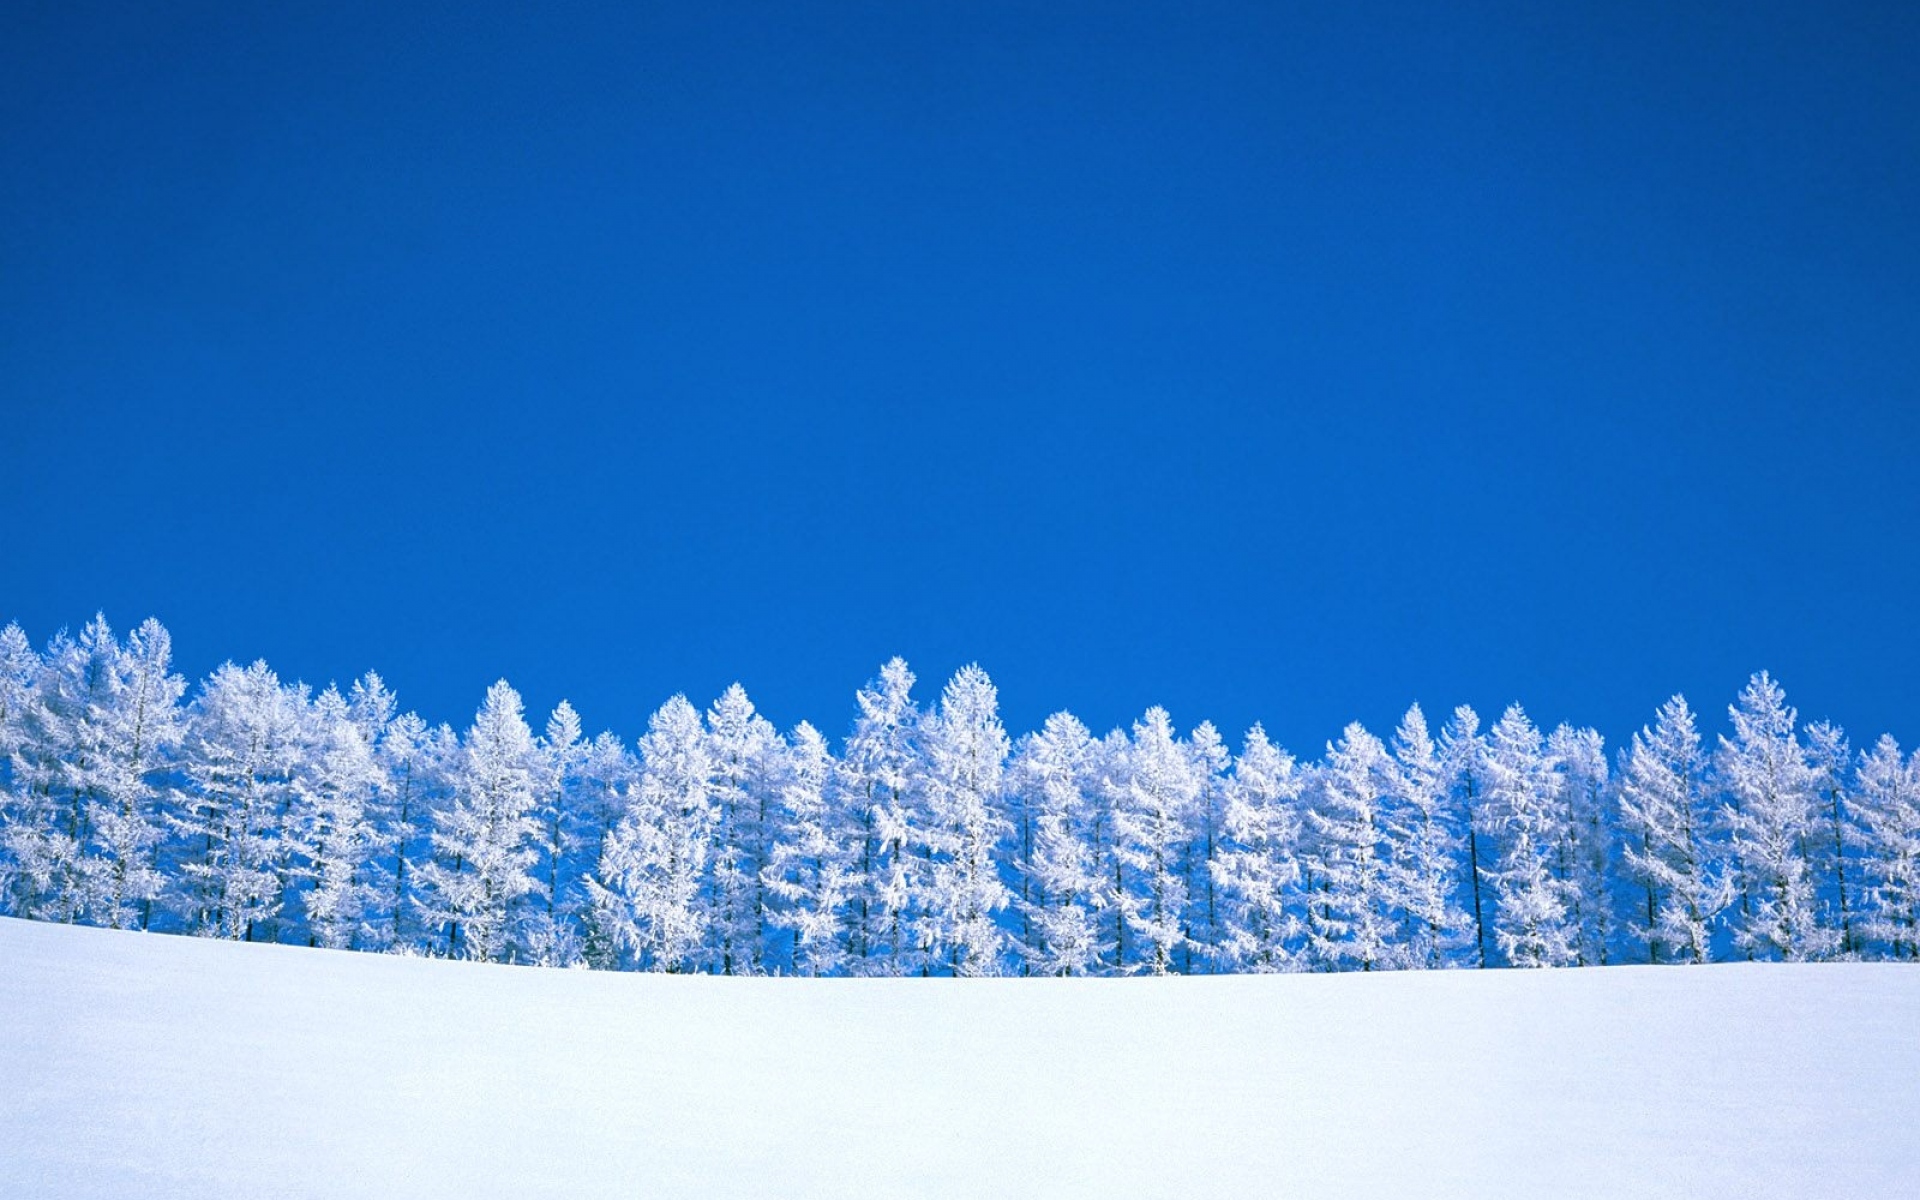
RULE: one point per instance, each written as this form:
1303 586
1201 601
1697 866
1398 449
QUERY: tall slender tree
1257 864
483 840
1769 809
1665 826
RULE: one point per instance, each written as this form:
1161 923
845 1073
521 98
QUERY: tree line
929 842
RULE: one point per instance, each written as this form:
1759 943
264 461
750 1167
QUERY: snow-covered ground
135 1065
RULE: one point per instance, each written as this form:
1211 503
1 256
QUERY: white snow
144 1065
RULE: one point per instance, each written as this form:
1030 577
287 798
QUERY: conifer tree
1054 774
483 840
746 753
1424 828
1258 860
1889 836
966 749
1201 929
878 779
809 873
1665 826
1532 922
336 795
1150 829
1581 792
646 896
1463 755
1832 760
550 927
1348 900
1768 783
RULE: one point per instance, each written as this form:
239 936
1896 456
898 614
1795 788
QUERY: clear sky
1268 362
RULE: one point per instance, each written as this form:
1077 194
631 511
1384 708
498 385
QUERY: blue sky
1267 362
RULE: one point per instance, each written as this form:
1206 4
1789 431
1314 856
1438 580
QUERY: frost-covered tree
1202 931
646 902
550 926
1532 922
1463 756
1831 759
1665 826
1582 793
19 665
483 841
1769 810
1151 819
966 752
809 872
243 746
1348 893
746 752
336 801
1257 863
1425 832
1053 774
877 782
1889 836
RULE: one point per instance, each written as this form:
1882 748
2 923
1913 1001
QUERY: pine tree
1532 922
966 752
1769 786
1150 829
809 873
1258 859
1348 896
1053 773
550 927
416 764
483 840
1463 755
19 667
53 767
646 891
1665 826
1889 841
1201 929
335 798
1832 759
1424 829
746 753
1582 794
877 780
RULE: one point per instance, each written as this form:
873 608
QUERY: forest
928 840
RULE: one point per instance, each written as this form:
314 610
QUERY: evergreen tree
1889 840
1054 774
1201 930
1424 829
1258 859
336 795
646 891
1665 826
878 778
1348 895
1832 759
809 873
1463 756
1150 831
483 840
1764 772
551 928
1532 922
746 753
1582 793
966 752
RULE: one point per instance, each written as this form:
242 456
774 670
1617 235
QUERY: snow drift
141 1065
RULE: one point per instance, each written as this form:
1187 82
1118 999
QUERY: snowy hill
135 1065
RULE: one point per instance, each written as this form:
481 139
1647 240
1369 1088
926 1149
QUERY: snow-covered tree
646 891
1665 827
550 927
809 872
1150 828
1052 774
1348 895
483 841
1769 785
1582 793
19 665
1889 836
1202 930
1831 759
336 801
1463 756
1425 833
966 752
877 782
746 752
1532 921
1257 863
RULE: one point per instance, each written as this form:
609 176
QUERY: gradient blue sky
1269 362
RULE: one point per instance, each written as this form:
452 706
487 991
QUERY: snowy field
135 1065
